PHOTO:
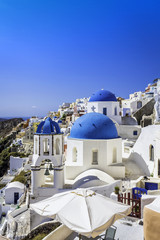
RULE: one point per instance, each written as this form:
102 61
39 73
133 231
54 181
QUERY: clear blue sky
56 51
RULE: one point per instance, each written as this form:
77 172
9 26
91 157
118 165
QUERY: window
94 157
105 111
114 160
74 154
115 111
135 133
139 104
151 153
57 146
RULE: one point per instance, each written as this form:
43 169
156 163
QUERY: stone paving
128 230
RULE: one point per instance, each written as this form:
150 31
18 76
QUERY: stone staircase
147 110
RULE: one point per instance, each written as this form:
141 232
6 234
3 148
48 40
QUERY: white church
94 144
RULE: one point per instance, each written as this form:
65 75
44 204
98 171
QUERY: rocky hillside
6 126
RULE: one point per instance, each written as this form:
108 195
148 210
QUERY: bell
51 167
46 172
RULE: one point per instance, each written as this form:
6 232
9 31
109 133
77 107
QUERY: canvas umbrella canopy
82 210
151 220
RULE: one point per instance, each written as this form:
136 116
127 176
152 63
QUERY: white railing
21 199
16 212
3 228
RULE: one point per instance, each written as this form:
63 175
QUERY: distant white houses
138 99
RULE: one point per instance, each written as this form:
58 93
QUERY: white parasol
82 210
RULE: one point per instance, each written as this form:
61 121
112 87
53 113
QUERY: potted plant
116 190
3 214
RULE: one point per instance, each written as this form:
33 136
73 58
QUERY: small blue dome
94 126
103 95
48 127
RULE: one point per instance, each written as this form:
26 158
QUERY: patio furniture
110 233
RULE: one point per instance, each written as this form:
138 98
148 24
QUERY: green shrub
2 185
116 190
22 177
39 236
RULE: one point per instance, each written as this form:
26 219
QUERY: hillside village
102 143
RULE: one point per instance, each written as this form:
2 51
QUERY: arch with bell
47 169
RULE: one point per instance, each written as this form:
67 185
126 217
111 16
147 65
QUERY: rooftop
103 95
94 126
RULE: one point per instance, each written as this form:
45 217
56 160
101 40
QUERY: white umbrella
82 210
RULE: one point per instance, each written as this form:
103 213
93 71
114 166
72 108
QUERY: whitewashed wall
16 163
105 150
126 131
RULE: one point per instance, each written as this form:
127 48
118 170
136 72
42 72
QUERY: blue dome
48 127
94 126
103 95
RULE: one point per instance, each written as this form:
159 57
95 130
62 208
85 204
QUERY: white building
146 149
47 164
94 144
65 108
106 103
33 120
81 104
129 129
13 192
16 163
